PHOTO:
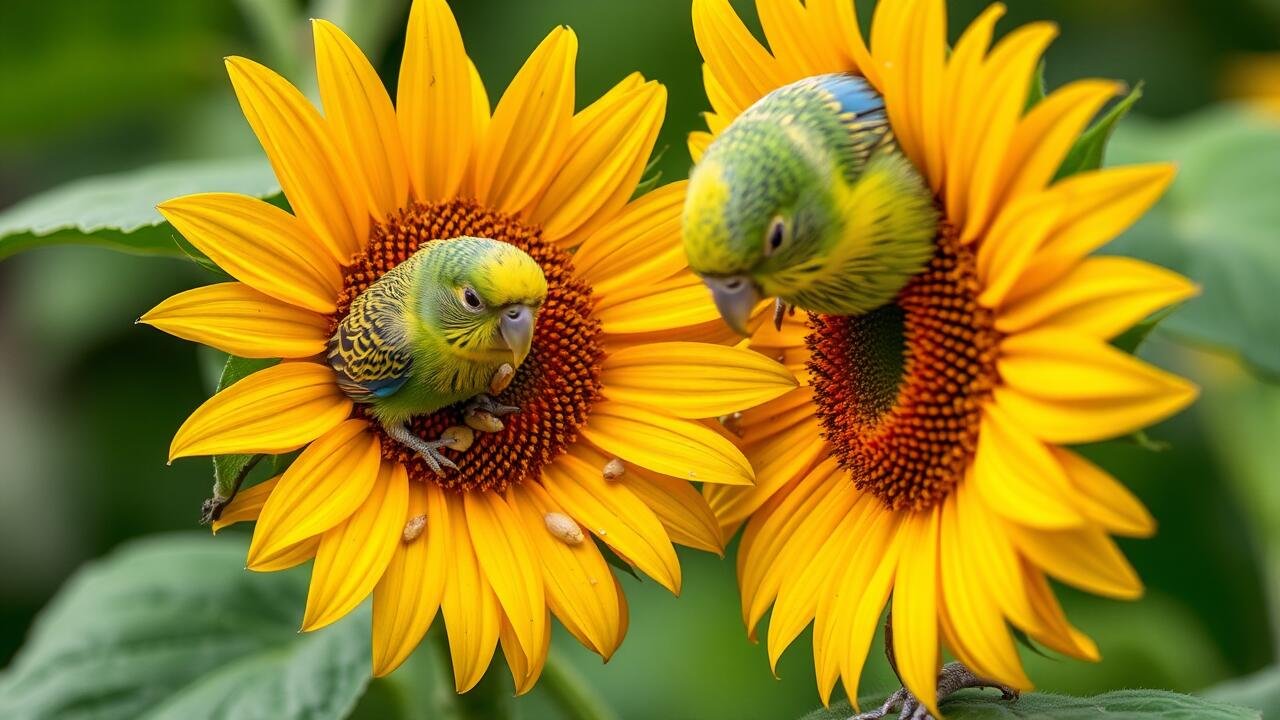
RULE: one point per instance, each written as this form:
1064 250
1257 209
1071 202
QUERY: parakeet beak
516 326
735 296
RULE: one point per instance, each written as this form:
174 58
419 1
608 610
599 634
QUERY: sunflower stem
571 692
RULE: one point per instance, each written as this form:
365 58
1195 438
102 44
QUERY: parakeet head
487 298
757 210
806 197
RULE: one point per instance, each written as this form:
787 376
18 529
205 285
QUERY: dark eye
776 236
472 300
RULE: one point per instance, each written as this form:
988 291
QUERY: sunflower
612 393
924 455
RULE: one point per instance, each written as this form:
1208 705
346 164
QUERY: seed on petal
614 469
458 437
483 421
564 527
501 379
732 423
414 528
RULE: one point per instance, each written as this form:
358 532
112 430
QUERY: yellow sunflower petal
471 610
435 102
1018 476
358 110
314 174
1084 557
680 301
289 556
525 668
1068 388
811 543
576 576
273 411
236 319
246 505
745 70
840 22
790 535
1052 629
698 143
1100 205
849 612
963 96
1101 297
407 597
1049 130
641 244
986 538
260 245
608 149
354 553
683 511
614 514
1009 246
1008 79
665 444
778 460
507 559
693 380
1103 499
975 625
529 133
908 40
323 487
915 608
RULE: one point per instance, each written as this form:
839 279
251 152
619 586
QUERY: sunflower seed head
564 528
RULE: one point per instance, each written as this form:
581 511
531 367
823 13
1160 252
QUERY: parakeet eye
776 236
472 300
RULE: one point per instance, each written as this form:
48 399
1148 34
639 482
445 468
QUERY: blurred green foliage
88 401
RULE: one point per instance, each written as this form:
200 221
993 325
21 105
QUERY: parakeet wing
370 351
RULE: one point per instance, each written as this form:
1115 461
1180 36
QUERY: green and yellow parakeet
433 331
807 198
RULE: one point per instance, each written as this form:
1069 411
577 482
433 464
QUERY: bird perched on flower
434 330
807 197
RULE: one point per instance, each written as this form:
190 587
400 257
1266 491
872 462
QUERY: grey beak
516 327
735 298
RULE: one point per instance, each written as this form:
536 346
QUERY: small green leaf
1090 150
1119 705
172 627
229 471
651 175
1260 690
118 211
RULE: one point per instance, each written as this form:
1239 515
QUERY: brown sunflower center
554 388
899 389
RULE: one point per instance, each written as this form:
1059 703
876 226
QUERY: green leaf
229 471
1260 690
1119 705
1090 150
1037 91
651 175
1216 225
118 211
172 627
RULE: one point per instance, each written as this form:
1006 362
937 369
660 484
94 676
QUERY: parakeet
806 197
433 331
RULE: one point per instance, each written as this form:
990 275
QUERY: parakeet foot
429 451
484 403
780 312
953 677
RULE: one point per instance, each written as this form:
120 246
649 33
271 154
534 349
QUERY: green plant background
89 401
